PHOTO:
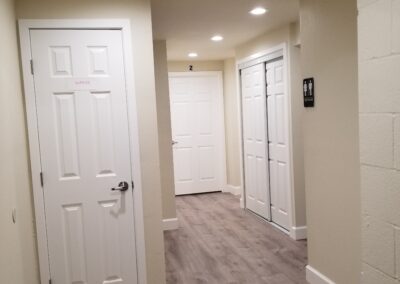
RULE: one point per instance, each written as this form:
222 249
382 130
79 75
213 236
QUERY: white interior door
197 131
255 154
278 141
84 145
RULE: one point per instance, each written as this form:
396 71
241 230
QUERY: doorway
198 134
266 132
83 143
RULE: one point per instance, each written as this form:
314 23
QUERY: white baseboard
242 203
170 224
298 233
316 277
235 190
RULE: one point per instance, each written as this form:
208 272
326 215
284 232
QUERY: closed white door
197 131
278 141
255 143
84 146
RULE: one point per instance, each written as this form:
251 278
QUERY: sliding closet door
278 142
255 142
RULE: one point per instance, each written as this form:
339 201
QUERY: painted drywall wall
287 34
164 129
138 11
331 148
297 124
18 257
231 124
379 97
183 66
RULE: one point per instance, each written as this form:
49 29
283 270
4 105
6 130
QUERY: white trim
118 24
221 112
315 277
298 233
240 136
235 190
286 62
170 224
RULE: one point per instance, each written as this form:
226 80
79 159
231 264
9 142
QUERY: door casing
271 53
28 81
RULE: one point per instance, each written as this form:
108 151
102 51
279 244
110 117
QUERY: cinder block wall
379 98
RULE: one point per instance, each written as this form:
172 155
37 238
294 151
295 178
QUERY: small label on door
308 92
82 84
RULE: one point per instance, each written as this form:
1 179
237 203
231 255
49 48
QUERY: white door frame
286 61
28 80
221 113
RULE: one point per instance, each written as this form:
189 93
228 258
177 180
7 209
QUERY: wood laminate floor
219 243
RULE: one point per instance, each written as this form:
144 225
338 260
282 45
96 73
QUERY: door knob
122 186
174 142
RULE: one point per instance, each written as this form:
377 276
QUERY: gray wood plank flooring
219 243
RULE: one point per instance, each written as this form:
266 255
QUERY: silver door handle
174 142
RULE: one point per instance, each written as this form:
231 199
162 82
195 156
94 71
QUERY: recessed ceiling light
193 54
258 11
217 38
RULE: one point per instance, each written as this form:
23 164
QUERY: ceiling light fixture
217 38
258 11
193 54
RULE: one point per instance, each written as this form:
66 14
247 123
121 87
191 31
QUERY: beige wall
183 66
264 42
379 95
287 34
329 54
138 11
164 129
231 123
297 125
18 257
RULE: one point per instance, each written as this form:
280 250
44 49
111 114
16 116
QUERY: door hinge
41 179
32 70
133 185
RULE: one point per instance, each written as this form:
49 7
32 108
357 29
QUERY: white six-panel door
84 146
266 141
255 144
197 131
278 142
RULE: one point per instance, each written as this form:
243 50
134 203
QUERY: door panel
84 141
255 140
278 129
196 120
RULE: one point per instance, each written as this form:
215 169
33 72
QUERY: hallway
217 242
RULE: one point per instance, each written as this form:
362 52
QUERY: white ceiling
188 25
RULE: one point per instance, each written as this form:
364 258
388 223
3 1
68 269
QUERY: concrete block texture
363 3
397 240
374 32
379 245
376 140
372 276
396 26
379 107
379 85
396 134
380 191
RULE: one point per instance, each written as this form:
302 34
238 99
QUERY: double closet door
265 141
